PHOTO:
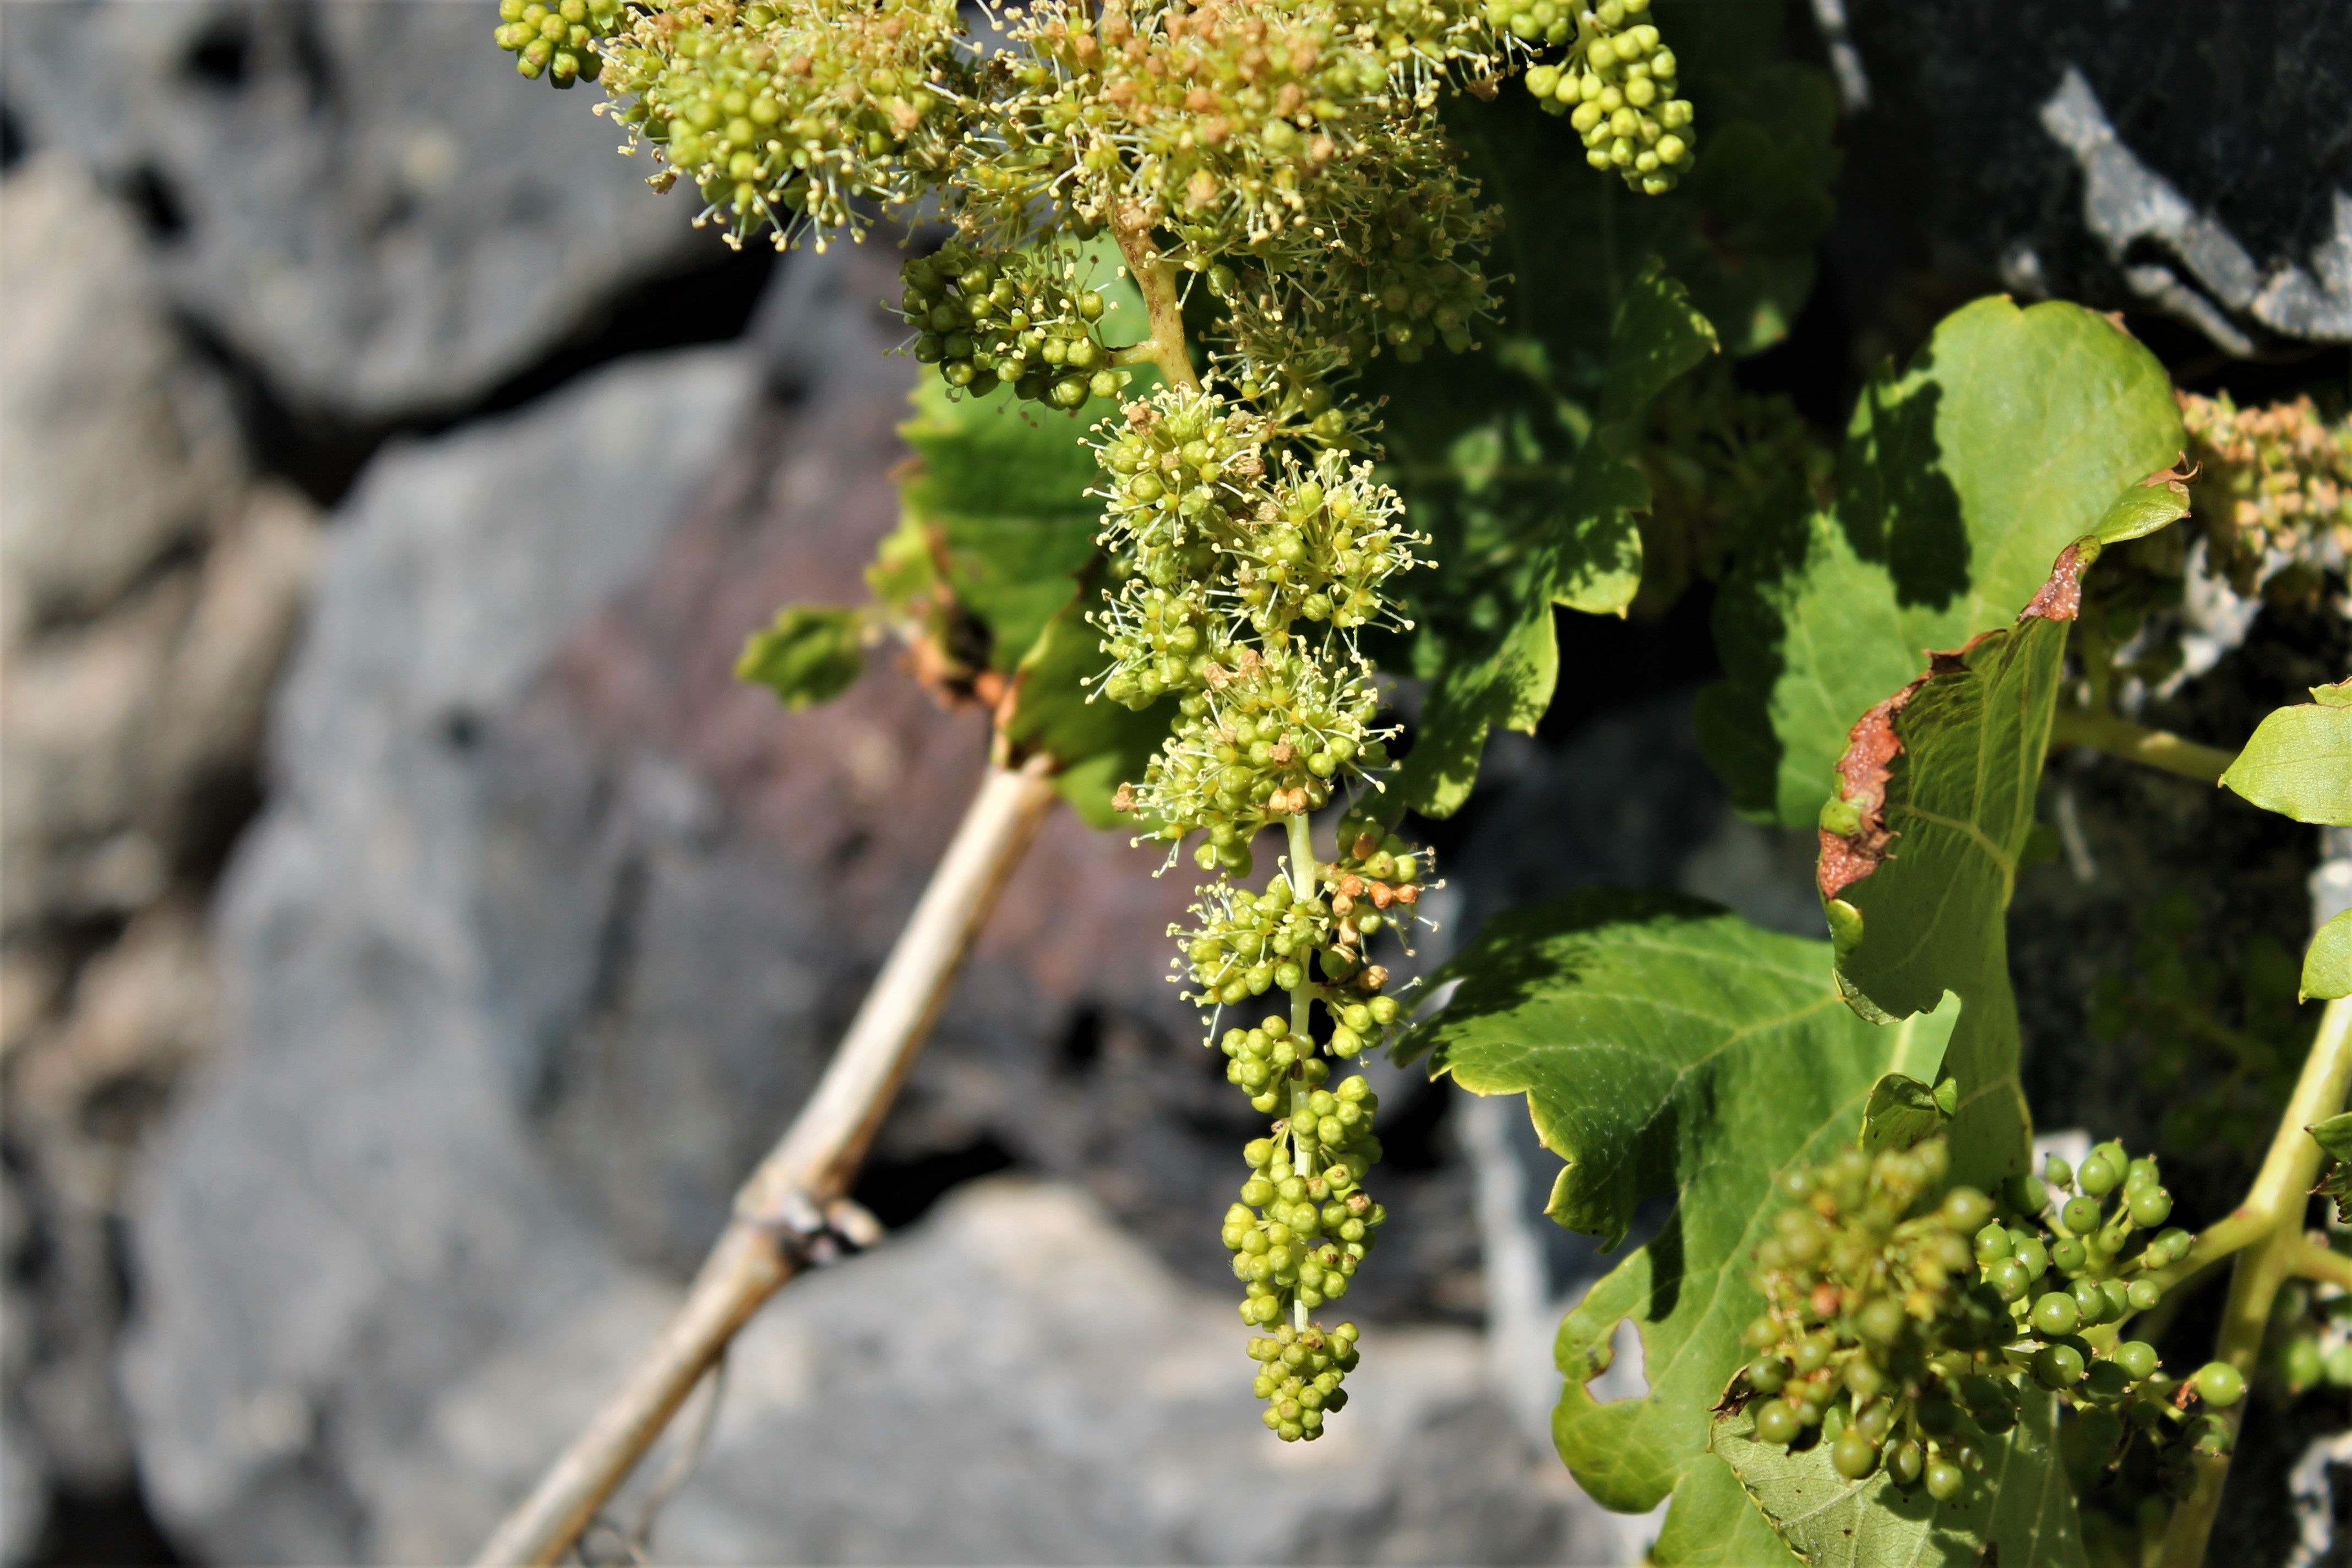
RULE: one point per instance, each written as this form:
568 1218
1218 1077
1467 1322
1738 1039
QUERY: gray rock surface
347 1213
2186 159
362 198
113 449
148 588
1015 1380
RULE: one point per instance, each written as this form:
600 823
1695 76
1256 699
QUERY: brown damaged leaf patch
1872 745
2060 598
1871 748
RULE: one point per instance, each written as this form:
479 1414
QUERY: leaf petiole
2137 743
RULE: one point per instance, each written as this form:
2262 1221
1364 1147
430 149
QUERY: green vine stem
2103 731
2266 1233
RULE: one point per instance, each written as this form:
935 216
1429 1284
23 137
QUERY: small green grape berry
2090 1298
2220 1384
1944 1481
1993 1244
1906 1463
2057 1172
2058 1366
2056 1313
2137 1357
2096 1177
1853 1455
2301 1363
2143 1295
1880 1320
2025 1193
2008 1279
2069 1255
2150 1207
1966 1211
2034 1257
1775 1422
2105 1382
2081 1216
2209 1436
1768 1375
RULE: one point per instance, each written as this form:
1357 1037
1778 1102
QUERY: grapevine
1274 174
1196 238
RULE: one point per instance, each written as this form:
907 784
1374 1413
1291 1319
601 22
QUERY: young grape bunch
1019 318
1282 193
1246 581
1905 1318
1618 87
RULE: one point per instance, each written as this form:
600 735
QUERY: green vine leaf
1742 231
1575 539
2327 966
2020 1510
1920 849
2007 437
1003 492
1904 1112
2299 763
809 653
1665 1048
1095 745
1488 448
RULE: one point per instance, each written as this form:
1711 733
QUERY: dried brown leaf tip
2060 598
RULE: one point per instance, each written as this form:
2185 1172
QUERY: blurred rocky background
409 932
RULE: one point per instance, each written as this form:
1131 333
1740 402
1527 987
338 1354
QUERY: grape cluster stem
2266 1233
1155 279
804 1178
1302 1015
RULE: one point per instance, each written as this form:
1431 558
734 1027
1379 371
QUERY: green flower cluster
1230 566
1299 1377
1022 316
2273 489
1283 193
1247 583
558 41
784 115
1396 266
1617 88
1903 1323
1423 41
1244 944
1212 119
